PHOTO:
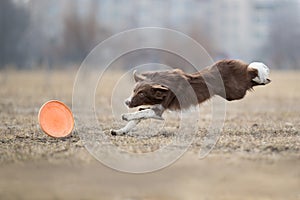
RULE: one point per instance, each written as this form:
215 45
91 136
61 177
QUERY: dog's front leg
143 114
155 113
129 126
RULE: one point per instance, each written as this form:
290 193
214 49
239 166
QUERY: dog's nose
127 102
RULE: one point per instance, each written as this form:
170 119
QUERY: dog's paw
115 132
125 117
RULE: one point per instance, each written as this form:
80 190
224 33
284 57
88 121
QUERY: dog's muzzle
127 102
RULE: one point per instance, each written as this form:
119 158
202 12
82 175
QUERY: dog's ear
138 77
159 91
252 73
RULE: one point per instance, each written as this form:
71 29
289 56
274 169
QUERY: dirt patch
256 157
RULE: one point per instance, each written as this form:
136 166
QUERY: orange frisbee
56 119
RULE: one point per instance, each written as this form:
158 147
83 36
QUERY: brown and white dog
230 79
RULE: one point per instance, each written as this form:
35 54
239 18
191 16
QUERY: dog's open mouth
144 108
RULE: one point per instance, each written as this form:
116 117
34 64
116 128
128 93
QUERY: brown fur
160 87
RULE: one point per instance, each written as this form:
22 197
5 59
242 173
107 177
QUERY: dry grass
260 131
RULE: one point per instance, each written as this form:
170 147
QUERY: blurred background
43 43
60 33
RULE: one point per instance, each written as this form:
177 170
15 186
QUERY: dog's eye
141 94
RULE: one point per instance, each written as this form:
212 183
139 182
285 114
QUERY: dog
153 88
168 90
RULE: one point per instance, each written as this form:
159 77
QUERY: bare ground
256 157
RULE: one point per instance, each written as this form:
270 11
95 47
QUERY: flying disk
56 119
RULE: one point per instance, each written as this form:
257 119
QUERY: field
256 157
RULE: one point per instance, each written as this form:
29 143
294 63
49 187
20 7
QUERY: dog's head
146 92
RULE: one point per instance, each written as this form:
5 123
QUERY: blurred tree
283 46
14 22
199 33
43 42
194 29
81 32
